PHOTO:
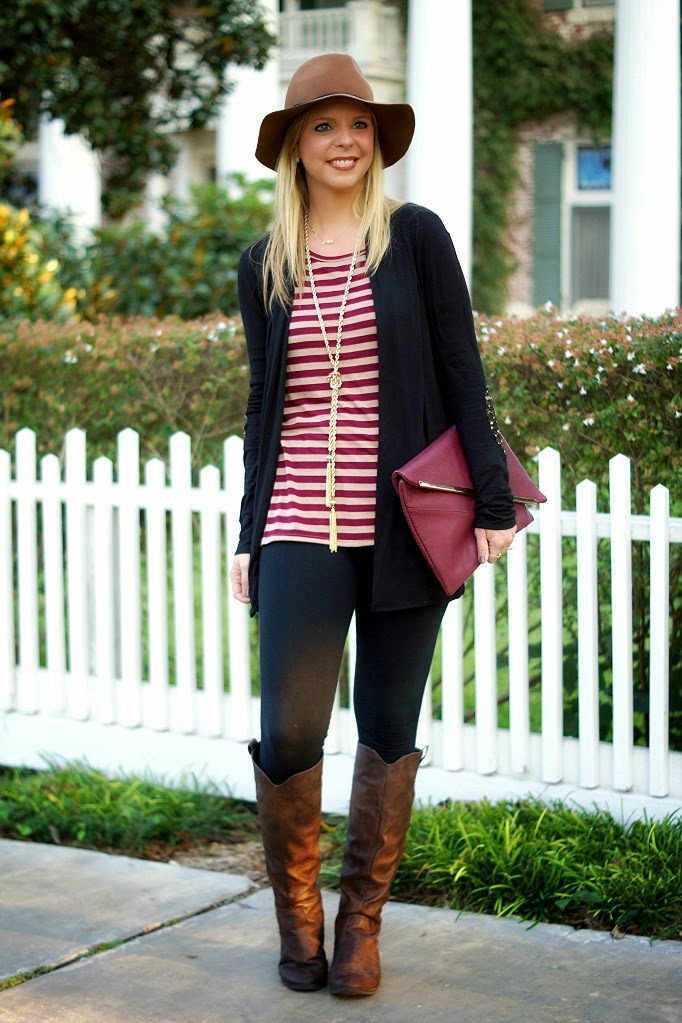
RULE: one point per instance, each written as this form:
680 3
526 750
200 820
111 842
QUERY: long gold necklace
335 382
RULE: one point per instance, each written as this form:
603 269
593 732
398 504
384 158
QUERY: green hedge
589 387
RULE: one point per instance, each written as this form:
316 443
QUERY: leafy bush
129 270
191 271
158 376
29 283
591 388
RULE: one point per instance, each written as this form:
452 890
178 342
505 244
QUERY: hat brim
395 123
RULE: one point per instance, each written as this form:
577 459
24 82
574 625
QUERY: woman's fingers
482 546
493 543
239 578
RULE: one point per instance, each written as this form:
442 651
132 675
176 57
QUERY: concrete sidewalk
196 946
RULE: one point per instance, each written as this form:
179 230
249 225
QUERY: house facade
574 244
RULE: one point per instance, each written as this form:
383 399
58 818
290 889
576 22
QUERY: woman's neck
332 217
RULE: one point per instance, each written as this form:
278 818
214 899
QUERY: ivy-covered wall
524 71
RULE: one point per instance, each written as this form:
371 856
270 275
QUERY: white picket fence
93 697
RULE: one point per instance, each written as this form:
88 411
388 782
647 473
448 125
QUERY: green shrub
29 280
189 271
75 804
548 863
157 376
591 388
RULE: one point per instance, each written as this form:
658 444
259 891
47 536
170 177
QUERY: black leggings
307 595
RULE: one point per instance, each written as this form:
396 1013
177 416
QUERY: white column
69 177
439 87
157 186
645 230
255 94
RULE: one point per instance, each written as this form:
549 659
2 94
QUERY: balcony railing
306 33
368 30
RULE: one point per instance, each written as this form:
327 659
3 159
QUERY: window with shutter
547 223
590 255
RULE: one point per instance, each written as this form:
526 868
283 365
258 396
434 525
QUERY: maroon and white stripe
297 509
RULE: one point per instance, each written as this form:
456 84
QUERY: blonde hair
284 263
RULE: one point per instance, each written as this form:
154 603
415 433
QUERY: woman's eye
323 125
362 124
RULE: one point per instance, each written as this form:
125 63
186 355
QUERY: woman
362 351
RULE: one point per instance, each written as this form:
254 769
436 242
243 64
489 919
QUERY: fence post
211 600
78 692
103 596
621 620
183 582
425 723
54 701
588 632
452 686
7 666
239 725
659 628
157 591
27 572
486 669
129 533
517 617
549 466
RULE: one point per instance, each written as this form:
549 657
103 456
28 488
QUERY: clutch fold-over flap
443 464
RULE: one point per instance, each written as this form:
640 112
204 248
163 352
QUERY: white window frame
573 196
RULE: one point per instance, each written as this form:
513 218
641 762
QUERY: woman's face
337 144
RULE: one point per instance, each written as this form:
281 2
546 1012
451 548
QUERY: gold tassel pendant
329 486
333 544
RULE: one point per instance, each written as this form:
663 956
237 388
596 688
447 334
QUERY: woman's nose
343 136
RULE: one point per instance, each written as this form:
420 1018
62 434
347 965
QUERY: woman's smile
343 162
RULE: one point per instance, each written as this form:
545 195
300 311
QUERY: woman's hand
493 543
239 578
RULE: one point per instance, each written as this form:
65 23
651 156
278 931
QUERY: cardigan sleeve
460 371
254 318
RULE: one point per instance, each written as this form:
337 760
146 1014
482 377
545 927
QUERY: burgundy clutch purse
438 498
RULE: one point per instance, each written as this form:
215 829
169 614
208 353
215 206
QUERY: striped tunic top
297 508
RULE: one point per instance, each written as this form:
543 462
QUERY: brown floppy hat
329 76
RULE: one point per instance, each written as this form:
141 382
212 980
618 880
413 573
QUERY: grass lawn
539 862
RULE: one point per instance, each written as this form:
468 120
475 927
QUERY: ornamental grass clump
72 803
543 862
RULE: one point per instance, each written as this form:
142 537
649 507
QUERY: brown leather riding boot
290 819
380 807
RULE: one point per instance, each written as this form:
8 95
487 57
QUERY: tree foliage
125 74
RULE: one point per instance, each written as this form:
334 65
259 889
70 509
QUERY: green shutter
557 5
547 223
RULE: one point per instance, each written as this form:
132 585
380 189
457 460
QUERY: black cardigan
430 376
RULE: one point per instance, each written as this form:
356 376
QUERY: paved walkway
193 946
